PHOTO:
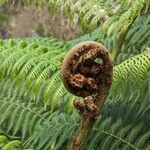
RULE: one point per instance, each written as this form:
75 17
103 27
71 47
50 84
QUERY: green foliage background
36 111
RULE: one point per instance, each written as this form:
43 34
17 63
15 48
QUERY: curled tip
87 68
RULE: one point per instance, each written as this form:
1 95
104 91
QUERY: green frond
51 86
16 111
31 67
24 72
117 22
13 145
136 40
10 60
139 34
116 136
20 62
3 140
59 125
117 14
135 67
38 71
10 144
120 130
45 75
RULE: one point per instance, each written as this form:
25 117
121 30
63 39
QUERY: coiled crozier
86 69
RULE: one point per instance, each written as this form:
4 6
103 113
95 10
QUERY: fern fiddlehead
86 67
87 72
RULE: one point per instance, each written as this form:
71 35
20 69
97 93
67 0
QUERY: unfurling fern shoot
87 72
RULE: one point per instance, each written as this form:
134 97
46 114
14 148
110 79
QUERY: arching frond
6 143
136 68
32 66
115 128
136 40
40 129
117 14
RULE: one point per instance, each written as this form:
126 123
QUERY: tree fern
36 108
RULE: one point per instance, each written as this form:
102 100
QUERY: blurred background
21 21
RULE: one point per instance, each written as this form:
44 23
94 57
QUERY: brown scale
91 54
81 81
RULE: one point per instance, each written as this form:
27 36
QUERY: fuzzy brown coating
81 74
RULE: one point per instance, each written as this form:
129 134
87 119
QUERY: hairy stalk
116 50
87 72
88 120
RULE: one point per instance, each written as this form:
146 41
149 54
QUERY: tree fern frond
141 34
15 144
45 75
114 130
36 71
132 45
55 80
130 102
107 133
6 144
136 67
89 17
3 140
10 60
31 71
16 122
27 67
117 138
20 62
125 18
58 124
57 96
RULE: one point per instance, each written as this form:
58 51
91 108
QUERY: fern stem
85 77
88 120
116 50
